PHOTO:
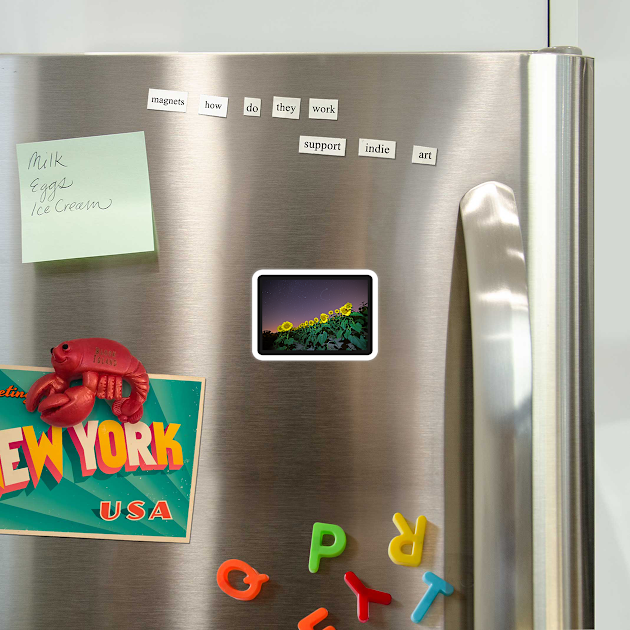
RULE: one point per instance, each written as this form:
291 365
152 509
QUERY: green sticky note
85 197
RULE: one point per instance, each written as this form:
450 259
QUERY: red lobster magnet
102 364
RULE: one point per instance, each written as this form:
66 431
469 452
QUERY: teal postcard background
72 505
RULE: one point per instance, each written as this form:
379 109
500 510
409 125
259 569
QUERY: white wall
603 28
280 25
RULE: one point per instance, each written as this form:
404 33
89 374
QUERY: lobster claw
68 408
43 386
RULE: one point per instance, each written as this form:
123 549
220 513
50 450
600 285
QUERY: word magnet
285 107
319 550
251 106
407 537
213 105
252 577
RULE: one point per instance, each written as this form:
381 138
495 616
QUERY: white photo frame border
315 272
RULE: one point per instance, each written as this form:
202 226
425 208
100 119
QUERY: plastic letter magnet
365 596
319 551
436 586
252 577
407 537
308 623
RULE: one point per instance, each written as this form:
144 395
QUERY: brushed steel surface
502 372
560 274
283 444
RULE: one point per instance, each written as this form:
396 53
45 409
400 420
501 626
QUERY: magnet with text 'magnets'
252 577
102 364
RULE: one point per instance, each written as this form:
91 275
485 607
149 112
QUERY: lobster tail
130 409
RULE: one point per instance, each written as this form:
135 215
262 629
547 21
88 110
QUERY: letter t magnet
436 586
407 537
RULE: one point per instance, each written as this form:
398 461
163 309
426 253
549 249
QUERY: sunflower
348 305
324 318
337 311
310 322
287 326
280 328
345 311
316 319
330 312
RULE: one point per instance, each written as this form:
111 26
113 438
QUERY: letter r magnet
407 537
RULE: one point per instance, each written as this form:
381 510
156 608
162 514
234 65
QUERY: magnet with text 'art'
365 596
252 577
436 586
102 364
407 537
319 550
309 623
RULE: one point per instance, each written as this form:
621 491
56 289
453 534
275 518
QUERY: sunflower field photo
301 315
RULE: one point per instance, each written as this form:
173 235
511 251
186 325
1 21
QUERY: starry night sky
296 300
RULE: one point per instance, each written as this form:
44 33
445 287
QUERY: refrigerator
473 402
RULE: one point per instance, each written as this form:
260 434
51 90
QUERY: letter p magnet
319 550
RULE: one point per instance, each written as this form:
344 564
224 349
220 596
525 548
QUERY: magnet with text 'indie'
252 577
407 537
319 550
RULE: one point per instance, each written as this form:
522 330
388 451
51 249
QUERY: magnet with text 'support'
309 623
407 537
436 586
252 577
319 551
365 595
102 364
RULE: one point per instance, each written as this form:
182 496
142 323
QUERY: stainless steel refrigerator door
288 444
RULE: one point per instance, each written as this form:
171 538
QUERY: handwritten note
85 197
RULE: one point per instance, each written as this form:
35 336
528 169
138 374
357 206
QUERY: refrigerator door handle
502 375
